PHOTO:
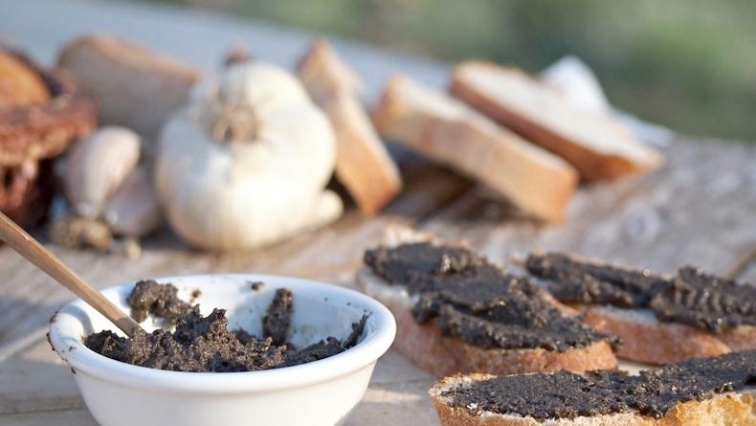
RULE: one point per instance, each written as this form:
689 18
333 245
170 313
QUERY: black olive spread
473 300
568 395
162 301
204 343
692 297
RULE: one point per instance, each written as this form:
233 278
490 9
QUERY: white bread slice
726 409
363 165
441 355
132 85
648 340
596 144
324 73
447 131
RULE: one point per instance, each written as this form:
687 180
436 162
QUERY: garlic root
76 232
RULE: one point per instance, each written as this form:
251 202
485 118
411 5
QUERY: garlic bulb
133 210
97 166
246 162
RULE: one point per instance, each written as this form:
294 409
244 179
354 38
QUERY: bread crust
22 85
324 73
441 355
622 153
447 131
731 409
648 340
363 165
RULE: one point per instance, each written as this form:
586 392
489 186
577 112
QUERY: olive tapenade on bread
699 392
661 319
457 312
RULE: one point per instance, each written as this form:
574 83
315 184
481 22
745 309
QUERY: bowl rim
81 359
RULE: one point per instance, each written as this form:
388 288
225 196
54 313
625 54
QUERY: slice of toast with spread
701 392
660 318
363 164
457 312
594 143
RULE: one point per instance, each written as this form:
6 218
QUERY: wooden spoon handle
34 252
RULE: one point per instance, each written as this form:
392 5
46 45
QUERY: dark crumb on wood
257 285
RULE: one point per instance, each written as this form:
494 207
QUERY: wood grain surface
699 209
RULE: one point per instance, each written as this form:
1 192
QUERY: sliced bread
594 143
445 130
132 85
363 165
324 73
441 354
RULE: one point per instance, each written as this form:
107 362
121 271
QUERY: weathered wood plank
78 417
689 212
38 381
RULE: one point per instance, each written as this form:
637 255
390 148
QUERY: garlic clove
328 208
97 166
133 209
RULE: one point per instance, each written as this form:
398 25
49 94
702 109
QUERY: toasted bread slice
596 144
447 131
132 85
325 74
647 339
20 85
442 355
650 341
363 165
729 408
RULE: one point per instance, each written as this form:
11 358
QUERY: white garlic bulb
246 162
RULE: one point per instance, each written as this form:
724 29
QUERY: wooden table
699 209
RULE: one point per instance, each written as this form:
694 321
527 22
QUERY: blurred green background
687 64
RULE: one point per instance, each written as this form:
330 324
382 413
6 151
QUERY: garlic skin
245 164
97 166
133 210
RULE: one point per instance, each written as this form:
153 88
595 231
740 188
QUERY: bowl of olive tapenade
225 350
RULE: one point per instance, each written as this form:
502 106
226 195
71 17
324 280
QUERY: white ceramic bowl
317 393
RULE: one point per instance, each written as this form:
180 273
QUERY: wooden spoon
34 252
